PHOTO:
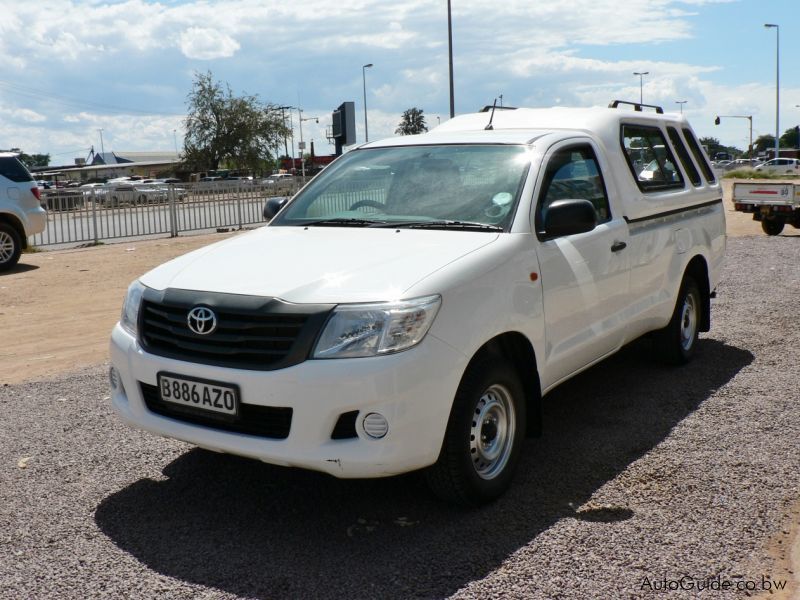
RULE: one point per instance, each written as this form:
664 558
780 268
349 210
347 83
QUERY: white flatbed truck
773 203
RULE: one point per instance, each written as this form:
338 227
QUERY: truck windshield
477 184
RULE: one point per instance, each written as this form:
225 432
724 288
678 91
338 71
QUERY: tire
10 247
772 226
479 455
676 343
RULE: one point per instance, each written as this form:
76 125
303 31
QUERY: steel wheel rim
492 431
688 322
6 247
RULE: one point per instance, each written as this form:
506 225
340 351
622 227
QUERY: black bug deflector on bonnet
251 332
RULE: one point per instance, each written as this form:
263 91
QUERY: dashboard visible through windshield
448 186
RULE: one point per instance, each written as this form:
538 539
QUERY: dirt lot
58 307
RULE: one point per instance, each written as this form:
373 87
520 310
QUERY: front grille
264 421
252 332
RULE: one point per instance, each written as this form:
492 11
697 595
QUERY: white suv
21 214
789 166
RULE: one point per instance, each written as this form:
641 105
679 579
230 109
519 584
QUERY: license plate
765 210
199 394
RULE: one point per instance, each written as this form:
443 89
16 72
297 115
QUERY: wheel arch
515 348
698 270
12 220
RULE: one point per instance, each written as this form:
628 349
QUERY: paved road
644 472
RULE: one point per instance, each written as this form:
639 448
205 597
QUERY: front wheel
676 343
772 226
10 246
484 436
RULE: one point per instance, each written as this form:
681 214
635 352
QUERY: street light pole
641 85
681 102
303 144
283 110
102 147
450 54
777 85
364 81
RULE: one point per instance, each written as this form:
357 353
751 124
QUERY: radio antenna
489 126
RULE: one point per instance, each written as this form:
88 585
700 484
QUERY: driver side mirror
273 206
568 217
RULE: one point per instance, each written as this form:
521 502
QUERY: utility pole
283 110
302 143
450 52
641 85
777 86
102 147
364 81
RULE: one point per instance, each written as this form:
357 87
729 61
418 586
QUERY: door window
573 173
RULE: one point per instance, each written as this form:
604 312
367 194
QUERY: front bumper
413 390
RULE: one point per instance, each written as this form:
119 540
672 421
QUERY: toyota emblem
201 320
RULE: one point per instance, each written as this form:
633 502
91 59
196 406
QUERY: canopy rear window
650 159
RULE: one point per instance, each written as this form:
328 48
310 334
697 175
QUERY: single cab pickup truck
772 203
410 307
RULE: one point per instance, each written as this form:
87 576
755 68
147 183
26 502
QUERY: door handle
617 246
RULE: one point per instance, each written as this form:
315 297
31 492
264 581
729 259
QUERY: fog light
375 425
113 378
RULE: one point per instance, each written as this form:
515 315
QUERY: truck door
585 277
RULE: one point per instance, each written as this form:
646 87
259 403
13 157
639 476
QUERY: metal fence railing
129 210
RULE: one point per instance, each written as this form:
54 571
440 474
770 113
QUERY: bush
753 174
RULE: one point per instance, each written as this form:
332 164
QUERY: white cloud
137 54
23 114
205 44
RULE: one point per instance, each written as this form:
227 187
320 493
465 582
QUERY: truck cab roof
526 125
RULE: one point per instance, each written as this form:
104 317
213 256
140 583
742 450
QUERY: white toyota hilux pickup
410 307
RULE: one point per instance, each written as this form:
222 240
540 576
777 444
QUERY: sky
70 68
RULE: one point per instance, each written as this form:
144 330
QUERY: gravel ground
645 473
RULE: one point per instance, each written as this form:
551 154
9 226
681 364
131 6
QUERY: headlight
130 308
357 330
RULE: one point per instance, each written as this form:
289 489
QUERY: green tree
35 160
712 144
413 122
789 139
222 129
763 142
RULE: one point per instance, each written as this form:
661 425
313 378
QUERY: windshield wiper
440 224
343 222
